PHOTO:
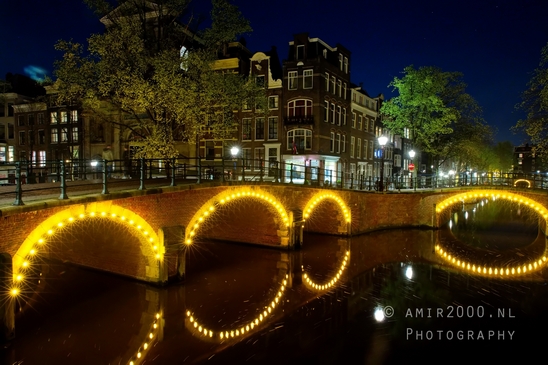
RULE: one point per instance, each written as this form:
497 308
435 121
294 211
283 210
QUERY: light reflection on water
84 317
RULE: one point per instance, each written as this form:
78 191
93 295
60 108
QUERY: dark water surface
433 312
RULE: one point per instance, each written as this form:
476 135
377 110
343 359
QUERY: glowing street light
412 167
234 152
382 143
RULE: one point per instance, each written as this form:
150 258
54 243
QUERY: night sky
495 44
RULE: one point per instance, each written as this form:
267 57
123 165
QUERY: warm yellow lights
322 196
509 271
147 341
311 284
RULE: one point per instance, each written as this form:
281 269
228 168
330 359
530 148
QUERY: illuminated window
75 134
246 129
299 138
64 117
74 115
54 135
53 118
292 80
299 108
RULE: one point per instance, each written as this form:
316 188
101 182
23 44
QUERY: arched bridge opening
327 213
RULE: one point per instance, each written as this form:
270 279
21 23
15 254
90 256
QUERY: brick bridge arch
36 242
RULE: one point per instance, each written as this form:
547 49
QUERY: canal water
387 297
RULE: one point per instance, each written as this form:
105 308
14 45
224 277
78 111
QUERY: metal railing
23 178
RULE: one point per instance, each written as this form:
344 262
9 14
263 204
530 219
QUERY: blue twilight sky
495 44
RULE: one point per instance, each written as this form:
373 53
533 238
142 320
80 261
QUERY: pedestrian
108 158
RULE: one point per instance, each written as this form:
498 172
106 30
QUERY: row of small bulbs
491 271
148 341
333 281
479 194
320 198
226 199
18 276
225 335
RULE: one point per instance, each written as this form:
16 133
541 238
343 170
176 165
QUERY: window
31 138
352 142
259 158
371 150
246 155
340 61
21 121
344 91
301 139
64 117
365 145
246 129
273 128
259 129
332 148
22 138
353 119
41 136
365 124
299 108
41 119
346 64
307 79
74 116
339 86
359 148
53 118
333 84
31 119
64 135
2 136
338 141
344 116
339 115
326 81
259 81
326 111
11 131
273 102
397 160
75 134
332 113
292 80
42 158
300 52
343 143
360 122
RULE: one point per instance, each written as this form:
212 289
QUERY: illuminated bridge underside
492 269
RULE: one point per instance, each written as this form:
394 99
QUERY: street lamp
412 167
234 152
382 142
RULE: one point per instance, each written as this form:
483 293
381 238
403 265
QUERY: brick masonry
107 247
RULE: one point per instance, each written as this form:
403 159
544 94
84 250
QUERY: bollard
63 194
18 188
143 175
105 177
173 183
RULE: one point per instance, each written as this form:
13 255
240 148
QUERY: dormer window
300 52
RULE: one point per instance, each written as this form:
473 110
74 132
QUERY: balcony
299 120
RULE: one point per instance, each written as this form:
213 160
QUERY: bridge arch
312 204
473 265
35 243
207 210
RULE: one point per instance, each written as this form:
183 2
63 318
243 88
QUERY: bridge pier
7 306
296 228
173 238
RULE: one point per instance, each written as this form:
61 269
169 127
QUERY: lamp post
412 167
234 152
382 142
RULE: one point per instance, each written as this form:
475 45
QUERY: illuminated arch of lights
217 335
228 196
29 252
318 198
475 194
311 284
489 270
151 338
482 269
523 180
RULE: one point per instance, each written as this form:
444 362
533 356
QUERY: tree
419 110
534 102
505 156
158 77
